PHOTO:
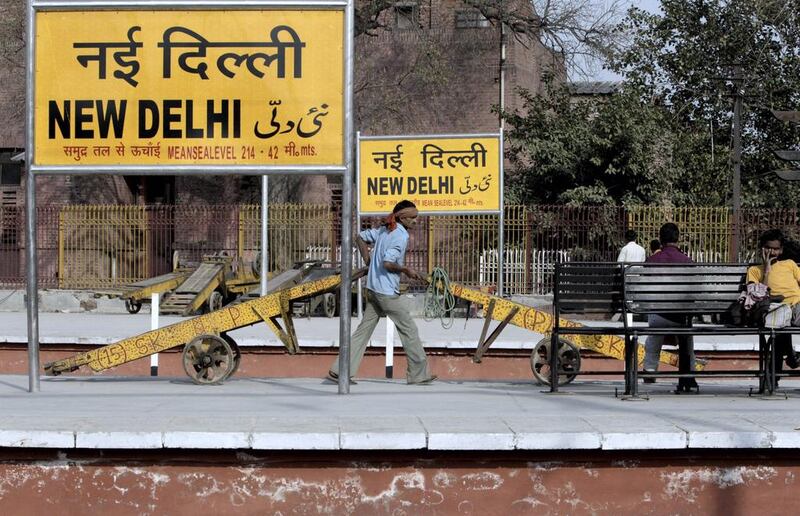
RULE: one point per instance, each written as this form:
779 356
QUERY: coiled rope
439 301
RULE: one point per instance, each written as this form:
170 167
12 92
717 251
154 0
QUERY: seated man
782 275
670 253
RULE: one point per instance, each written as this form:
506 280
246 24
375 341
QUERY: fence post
332 243
240 232
147 273
61 244
733 241
528 224
431 245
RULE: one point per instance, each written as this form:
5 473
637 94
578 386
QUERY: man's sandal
426 381
335 378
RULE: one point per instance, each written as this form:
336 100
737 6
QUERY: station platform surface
309 414
118 412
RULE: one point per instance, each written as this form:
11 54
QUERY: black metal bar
771 346
762 363
634 363
554 336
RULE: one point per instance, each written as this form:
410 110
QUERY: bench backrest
699 288
588 287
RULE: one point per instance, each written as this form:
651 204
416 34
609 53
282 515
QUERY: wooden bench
685 291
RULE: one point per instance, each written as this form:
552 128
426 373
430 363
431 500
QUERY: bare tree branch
581 32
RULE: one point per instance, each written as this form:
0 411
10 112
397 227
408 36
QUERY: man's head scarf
393 218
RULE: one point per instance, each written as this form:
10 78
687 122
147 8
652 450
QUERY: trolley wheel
569 356
329 304
132 306
215 301
237 354
208 359
255 265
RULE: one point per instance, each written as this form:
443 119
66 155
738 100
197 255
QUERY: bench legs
631 364
772 379
767 364
685 363
554 365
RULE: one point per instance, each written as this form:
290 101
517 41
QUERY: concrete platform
308 414
315 332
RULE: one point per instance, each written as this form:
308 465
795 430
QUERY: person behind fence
389 243
668 235
655 246
781 274
631 252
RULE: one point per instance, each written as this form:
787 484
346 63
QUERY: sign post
174 87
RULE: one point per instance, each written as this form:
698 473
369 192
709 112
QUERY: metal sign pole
264 233
501 222
52 163
359 291
32 298
347 206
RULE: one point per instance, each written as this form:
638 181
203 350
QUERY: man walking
389 243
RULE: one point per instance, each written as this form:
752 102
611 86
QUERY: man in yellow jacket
782 275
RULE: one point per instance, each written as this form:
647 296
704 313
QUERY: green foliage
696 54
612 150
666 137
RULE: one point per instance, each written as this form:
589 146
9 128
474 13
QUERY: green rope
439 301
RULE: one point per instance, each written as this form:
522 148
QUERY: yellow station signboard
191 87
439 174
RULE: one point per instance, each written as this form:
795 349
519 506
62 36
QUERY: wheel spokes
207 359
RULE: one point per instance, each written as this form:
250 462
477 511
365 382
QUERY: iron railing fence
104 246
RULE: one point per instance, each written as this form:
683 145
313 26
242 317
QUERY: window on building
10 180
470 19
406 15
10 174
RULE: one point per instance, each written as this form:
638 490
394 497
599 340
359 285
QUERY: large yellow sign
212 87
438 174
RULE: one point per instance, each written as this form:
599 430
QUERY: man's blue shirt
386 247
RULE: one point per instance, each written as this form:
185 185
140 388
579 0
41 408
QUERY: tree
12 72
697 54
578 32
611 150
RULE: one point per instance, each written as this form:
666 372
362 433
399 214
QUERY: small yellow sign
192 87
438 174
